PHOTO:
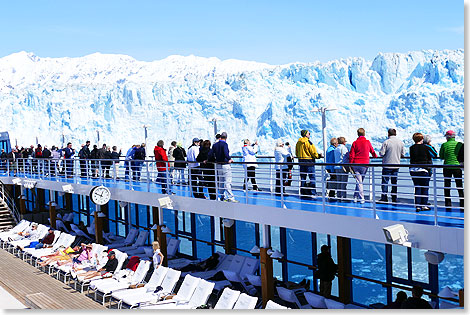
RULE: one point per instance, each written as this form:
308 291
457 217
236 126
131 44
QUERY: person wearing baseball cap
448 152
107 270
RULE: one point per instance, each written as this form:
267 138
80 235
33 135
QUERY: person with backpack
138 160
448 152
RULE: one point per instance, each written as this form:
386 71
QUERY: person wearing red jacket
162 165
359 154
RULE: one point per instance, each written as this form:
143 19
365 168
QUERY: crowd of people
207 164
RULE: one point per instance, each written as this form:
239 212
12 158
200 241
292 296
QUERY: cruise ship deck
371 269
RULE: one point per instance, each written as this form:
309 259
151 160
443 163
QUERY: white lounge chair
227 300
130 238
289 296
250 266
200 296
155 280
65 271
274 306
234 269
42 230
246 302
20 227
106 287
315 300
139 242
168 285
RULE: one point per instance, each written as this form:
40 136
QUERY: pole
145 135
98 134
215 126
323 130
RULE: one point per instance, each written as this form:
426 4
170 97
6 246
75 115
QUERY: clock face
100 195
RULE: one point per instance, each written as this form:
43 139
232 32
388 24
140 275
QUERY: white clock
100 195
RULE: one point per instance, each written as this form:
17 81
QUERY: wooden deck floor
22 280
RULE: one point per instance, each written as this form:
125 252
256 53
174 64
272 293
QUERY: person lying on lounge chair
61 254
83 254
205 265
106 271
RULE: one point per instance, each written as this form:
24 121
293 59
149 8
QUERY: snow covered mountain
177 96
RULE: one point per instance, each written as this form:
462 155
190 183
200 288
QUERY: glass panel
169 219
186 246
299 246
366 293
419 265
203 232
451 272
133 218
275 238
297 273
322 239
277 269
408 293
399 261
143 212
368 259
245 232
187 223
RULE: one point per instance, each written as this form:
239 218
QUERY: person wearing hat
107 270
326 270
306 152
249 155
194 171
448 152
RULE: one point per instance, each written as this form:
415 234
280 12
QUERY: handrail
11 205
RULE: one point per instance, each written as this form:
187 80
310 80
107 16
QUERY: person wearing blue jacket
331 183
341 155
68 155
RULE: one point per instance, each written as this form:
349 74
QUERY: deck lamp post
145 134
323 111
98 136
214 120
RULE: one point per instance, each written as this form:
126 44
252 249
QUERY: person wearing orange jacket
162 165
306 152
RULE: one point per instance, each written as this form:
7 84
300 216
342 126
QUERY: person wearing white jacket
280 156
249 155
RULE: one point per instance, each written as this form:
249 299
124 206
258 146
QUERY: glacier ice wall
177 96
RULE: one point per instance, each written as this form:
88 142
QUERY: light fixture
67 188
123 204
434 258
30 184
275 254
396 234
166 202
254 250
166 229
447 293
228 222
53 204
154 227
101 214
269 252
16 181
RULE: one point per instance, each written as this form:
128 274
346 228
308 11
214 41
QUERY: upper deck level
439 229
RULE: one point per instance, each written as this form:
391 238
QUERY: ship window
419 265
366 293
368 259
400 261
451 272
245 232
203 233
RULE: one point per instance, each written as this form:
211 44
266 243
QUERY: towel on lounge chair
133 263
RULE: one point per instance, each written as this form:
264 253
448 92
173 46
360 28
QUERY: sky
271 31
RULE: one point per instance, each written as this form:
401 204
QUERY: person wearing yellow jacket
306 152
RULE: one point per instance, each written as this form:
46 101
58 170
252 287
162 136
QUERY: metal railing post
281 180
216 177
148 175
434 179
245 167
323 188
374 206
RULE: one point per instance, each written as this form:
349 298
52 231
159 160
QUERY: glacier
73 98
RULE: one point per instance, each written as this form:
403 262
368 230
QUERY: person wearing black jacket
326 270
415 301
115 157
93 162
420 154
84 154
180 157
207 169
107 162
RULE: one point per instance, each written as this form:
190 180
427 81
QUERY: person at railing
280 156
180 163
3 160
341 157
107 163
128 162
306 153
331 183
221 154
249 155
326 270
115 157
138 160
94 163
194 171
420 154
392 150
69 152
401 297
171 159
37 162
162 165
46 155
359 154
448 153
208 168
84 155
416 301
460 155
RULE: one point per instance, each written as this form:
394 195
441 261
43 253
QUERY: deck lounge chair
20 227
246 302
200 297
274 306
128 241
227 300
168 285
155 280
332 304
315 300
139 242
290 297
106 287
